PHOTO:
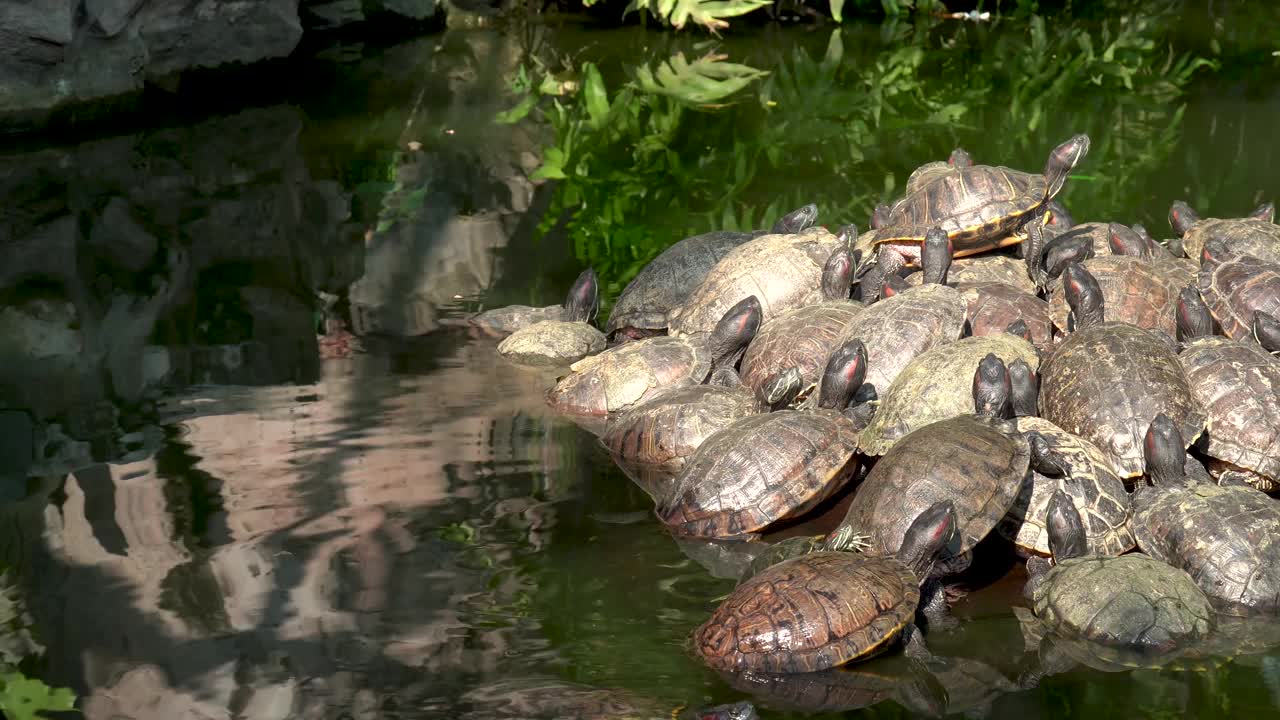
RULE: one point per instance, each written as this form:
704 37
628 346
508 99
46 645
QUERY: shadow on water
256 468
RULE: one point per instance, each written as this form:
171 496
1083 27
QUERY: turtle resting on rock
581 305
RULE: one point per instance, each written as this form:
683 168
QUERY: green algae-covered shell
897 329
631 373
552 343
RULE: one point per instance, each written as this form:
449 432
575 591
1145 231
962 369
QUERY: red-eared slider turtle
984 269
634 372
938 385
1064 461
1236 286
1256 235
1133 291
554 342
581 305
993 307
667 280
930 171
1108 379
824 609
766 468
782 271
1193 316
1266 330
1226 537
1238 385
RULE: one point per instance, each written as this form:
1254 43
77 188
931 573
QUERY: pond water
229 515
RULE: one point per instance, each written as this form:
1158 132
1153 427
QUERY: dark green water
241 520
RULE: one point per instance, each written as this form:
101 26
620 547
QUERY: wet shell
1226 538
810 613
782 271
898 329
760 470
1248 236
802 338
1237 288
1238 384
624 375
978 464
936 386
668 429
1134 291
552 343
1105 383
1097 493
993 306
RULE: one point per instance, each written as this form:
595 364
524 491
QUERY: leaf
597 98
836 7
704 81
517 113
22 698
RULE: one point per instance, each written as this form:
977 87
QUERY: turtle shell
1238 385
1248 236
986 269
992 306
1130 601
632 373
810 613
1236 288
978 464
802 338
552 343
666 430
666 281
1226 537
1134 291
782 271
1106 382
1099 234
897 329
938 385
759 470
503 321
1097 493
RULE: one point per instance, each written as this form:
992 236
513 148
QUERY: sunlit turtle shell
1234 287
625 375
992 307
552 343
666 430
802 338
1134 291
898 329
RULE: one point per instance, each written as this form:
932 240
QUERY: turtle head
1044 459
1194 319
1124 241
960 158
1062 161
1066 529
880 217
837 274
1215 251
846 370
734 331
780 388
1182 217
1265 212
1266 330
796 221
893 284
1024 389
1084 295
1018 328
991 388
1064 250
1164 451
932 532
935 256
583 301
1059 217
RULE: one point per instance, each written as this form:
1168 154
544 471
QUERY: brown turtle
1134 291
1255 235
580 305
554 342
993 307
984 269
1236 286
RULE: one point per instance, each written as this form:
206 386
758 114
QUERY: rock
17 448
325 15
118 237
111 16
40 329
208 33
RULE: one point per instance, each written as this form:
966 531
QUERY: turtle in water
666 281
549 698
1235 287
979 207
1227 537
1108 379
1134 291
580 305
897 678
824 609
1255 235
766 468
634 372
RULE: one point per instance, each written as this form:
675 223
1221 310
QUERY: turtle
1266 330
1227 537
1061 252
1235 286
1065 461
1024 384
580 305
798 545
765 468
783 271
1192 316
553 342
824 609
634 372
984 269
938 385
979 207
930 171
1255 235
1133 291
993 306
666 281
1238 385
1106 380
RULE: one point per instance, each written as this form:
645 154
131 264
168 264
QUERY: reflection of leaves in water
22 698
704 81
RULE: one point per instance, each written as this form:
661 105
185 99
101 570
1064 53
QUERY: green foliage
21 697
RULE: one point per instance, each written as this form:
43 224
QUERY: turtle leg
913 645
1034 248
933 605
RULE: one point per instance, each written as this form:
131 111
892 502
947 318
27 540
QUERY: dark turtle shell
1238 385
810 613
802 338
759 470
898 329
1106 382
1236 287
666 430
1226 537
1134 291
993 306
628 374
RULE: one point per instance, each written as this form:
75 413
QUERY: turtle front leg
888 262
913 645
933 606
1034 248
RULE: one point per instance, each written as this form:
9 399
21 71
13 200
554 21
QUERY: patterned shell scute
1250 236
631 373
666 281
760 470
782 271
1226 538
1238 385
802 338
938 385
973 205
984 269
1237 288
665 431
1099 234
898 329
1134 291
1097 493
992 306
810 613
1105 383
978 464
1132 601
552 343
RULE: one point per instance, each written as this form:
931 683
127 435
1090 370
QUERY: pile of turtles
977 370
